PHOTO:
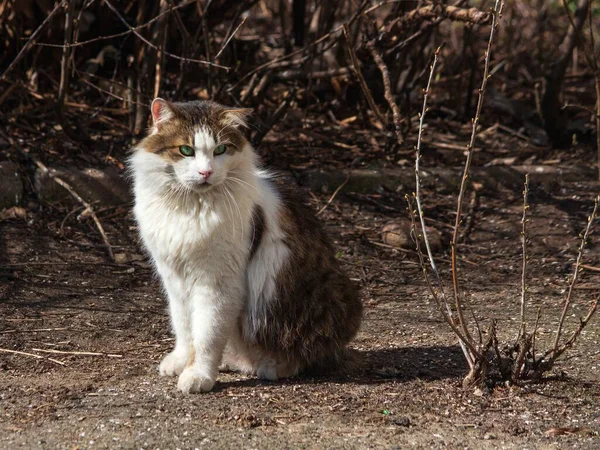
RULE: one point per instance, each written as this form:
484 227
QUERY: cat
252 281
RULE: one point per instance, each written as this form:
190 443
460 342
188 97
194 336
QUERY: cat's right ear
161 112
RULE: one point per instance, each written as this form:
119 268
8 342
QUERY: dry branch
498 6
550 104
151 45
555 350
361 79
387 86
469 15
17 352
89 210
524 221
60 352
33 38
469 349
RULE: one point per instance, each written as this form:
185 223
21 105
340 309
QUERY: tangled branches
489 360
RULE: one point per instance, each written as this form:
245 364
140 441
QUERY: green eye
186 150
220 149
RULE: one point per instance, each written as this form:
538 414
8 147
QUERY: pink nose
205 173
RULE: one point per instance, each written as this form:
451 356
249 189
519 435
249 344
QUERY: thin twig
582 323
16 352
33 38
340 187
442 304
230 38
418 184
150 44
361 79
574 278
326 36
524 221
387 87
534 334
116 35
466 344
64 65
60 352
88 208
498 6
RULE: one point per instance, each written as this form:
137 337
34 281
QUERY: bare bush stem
524 221
498 6
469 349
555 349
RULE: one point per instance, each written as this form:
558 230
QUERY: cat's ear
161 112
236 117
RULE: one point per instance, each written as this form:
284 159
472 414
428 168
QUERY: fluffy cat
252 281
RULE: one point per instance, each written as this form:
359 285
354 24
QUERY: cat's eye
186 150
220 149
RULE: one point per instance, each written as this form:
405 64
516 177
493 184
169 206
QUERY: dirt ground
59 293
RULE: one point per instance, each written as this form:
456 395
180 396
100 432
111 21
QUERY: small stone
398 234
401 421
489 436
121 258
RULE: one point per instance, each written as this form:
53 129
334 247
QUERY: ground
58 292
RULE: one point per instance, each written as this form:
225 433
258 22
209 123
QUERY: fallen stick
334 194
88 208
61 352
37 330
16 352
592 268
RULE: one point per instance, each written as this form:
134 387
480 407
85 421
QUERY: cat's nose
205 173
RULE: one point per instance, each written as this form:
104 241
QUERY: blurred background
78 76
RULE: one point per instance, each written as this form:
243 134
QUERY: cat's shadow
377 366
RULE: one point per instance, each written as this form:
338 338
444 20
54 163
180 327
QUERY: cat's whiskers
229 207
242 182
235 203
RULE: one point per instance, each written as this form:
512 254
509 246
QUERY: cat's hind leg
272 369
237 356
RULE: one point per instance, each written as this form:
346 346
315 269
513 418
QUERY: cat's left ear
161 112
236 117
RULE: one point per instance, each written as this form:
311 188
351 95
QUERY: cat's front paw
173 364
192 380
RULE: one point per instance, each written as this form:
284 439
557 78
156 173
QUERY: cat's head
197 142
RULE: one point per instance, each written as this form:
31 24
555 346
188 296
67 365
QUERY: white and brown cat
252 280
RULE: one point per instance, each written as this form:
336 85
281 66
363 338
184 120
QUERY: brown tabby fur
187 118
318 310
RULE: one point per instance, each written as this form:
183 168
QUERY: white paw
193 380
173 364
